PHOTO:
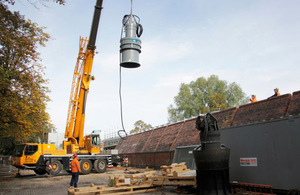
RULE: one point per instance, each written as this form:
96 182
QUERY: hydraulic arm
80 87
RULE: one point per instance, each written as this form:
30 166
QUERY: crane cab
92 144
27 155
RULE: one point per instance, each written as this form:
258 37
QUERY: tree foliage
23 90
140 126
61 2
205 95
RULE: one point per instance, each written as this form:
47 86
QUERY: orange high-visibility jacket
75 166
253 99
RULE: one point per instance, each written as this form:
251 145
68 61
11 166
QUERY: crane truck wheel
54 168
85 166
100 165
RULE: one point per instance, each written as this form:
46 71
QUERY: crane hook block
130 47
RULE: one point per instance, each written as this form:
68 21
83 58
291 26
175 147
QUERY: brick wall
225 117
142 141
121 146
294 107
141 159
168 137
128 145
156 147
188 135
262 110
150 159
163 158
154 140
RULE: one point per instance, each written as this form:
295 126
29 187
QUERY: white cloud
161 50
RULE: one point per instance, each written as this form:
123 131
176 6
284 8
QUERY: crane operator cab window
95 140
30 149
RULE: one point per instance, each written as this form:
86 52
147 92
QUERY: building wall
262 111
165 139
294 107
149 159
274 145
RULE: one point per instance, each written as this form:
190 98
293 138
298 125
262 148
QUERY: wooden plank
123 184
108 190
131 191
178 180
134 192
174 182
141 174
182 178
174 169
188 173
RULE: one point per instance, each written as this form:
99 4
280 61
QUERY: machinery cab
17 159
26 155
93 142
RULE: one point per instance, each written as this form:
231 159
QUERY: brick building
156 147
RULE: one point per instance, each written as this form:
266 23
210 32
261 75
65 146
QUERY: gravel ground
31 184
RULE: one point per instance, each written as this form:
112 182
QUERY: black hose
139 30
121 107
125 19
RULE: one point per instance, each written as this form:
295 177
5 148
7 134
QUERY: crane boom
80 85
94 28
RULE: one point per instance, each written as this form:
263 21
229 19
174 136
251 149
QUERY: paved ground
32 184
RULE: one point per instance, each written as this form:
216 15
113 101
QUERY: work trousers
74 179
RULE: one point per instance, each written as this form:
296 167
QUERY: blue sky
254 43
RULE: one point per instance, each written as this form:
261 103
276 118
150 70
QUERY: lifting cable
131 7
120 80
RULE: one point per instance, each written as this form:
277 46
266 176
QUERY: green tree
23 90
62 2
205 95
140 126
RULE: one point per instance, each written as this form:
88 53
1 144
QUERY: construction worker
126 162
276 91
253 98
75 168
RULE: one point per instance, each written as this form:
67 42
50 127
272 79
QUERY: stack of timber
110 190
123 184
173 169
145 178
176 174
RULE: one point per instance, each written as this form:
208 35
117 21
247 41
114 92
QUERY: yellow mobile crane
43 158
82 77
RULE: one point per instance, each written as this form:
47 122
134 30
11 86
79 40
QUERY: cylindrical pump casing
130 47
